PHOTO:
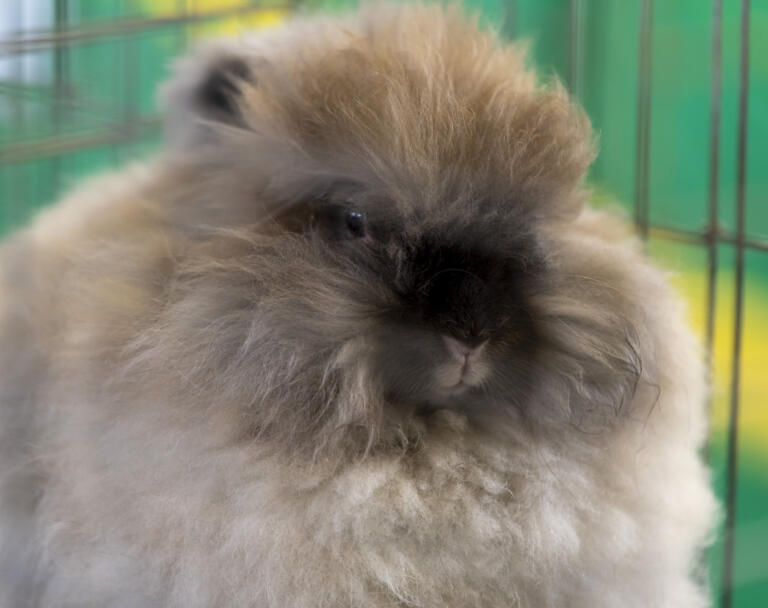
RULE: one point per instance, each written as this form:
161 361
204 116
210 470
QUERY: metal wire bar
129 110
88 33
60 60
714 184
65 99
576 58
733 422
693 237
642 155
182 9
58 145
19 188
509 25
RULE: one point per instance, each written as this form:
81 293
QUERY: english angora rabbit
353 340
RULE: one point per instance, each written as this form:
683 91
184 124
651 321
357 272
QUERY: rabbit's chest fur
458 523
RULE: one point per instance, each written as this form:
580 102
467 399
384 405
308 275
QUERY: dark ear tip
219 90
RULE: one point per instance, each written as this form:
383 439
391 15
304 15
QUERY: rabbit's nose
461 351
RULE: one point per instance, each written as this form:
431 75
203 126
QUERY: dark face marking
463 291
444 290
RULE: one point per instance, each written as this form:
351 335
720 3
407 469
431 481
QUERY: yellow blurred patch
691 283
249 18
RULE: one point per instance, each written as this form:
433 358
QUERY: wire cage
669 87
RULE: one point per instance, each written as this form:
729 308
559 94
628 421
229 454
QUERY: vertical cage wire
643 151
576 54
741 204
182 9
129 112
60 79
714 188
509 26
19 188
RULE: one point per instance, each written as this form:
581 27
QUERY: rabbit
354 338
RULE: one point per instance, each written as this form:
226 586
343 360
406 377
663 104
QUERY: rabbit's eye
355 224
340 223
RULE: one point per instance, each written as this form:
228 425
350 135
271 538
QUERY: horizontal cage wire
77 82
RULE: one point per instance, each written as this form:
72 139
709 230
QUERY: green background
80 107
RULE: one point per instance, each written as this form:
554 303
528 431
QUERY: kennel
676 90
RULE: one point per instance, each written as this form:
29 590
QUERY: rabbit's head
371 204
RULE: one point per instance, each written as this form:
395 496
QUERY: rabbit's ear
205 91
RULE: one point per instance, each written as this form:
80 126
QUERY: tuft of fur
213 393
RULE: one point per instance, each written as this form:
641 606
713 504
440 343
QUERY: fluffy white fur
139 470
